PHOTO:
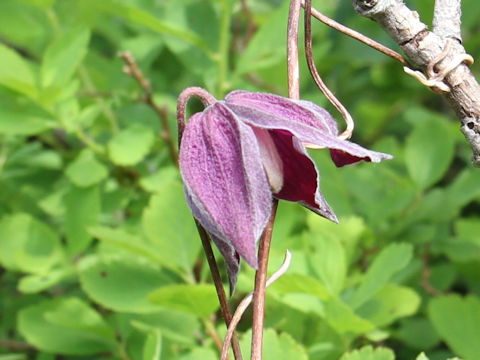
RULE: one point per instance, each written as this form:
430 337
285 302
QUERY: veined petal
301 178
224 180
295 111
306 121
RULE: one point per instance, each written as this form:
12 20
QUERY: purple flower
240 152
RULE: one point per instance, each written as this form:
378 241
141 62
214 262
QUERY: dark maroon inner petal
299 173
342 158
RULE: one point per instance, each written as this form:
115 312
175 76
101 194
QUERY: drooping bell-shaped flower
240 152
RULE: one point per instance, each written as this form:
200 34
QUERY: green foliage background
99 257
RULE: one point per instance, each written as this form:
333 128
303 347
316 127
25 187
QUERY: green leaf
131 145
343 319
63 56
121 283
457 320
429 148
27 244
417 333
141 17
390 303
86 170
296 283
13 357
169 226
133 243
16 73
389 261
369 353
200 300
328 260
422 356
82 211
66 326
158 180
200 354
20 116
35 283
276 346
152 348
267 47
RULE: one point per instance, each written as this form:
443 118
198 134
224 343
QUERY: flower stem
260 286
247 300
217 280
347 133
293 69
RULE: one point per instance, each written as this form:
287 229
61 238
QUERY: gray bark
422 47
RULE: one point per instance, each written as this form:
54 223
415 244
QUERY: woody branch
425 49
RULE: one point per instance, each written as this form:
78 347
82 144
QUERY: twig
260 286
426 273
131 68
207 99
210 330
446 19
347 133
247 301
251 27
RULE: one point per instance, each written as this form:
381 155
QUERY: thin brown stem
260 286
357 36
217 280
347 133
207 99
247 301
293 69
251 27
131 68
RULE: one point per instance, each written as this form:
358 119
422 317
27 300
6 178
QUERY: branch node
433 79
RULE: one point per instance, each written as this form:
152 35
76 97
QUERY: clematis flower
240 152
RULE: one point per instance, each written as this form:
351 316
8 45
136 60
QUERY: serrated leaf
130 145
200 300
429 150
86 170
369 353
457 321
28 245
169 226
389 261
66 326
121 283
